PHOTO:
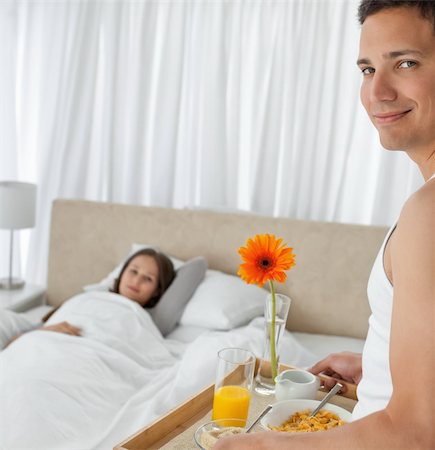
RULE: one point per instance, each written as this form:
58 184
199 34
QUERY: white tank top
375 389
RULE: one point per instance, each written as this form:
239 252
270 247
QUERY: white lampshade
17 205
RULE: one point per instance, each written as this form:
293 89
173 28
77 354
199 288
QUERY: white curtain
250 105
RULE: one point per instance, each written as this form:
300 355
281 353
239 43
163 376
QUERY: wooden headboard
327 285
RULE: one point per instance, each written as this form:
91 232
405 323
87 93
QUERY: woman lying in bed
143 279
58 391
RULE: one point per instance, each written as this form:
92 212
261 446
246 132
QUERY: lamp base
10 284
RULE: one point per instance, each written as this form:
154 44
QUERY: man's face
397 58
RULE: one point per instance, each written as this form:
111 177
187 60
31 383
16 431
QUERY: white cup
296 383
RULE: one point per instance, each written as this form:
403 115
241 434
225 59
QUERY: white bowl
281 411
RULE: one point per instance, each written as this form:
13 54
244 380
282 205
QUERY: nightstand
20 300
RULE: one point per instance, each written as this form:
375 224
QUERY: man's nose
382 88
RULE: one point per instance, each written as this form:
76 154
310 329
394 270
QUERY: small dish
208 434
281 411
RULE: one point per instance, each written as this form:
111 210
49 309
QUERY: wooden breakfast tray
175 430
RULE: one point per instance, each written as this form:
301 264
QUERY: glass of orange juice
234 379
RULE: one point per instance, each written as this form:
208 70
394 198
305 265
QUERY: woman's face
140 279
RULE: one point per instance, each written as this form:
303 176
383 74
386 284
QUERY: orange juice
231 402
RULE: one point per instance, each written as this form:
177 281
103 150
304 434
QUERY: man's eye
367 70
407 64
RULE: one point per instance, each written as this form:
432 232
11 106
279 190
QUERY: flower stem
273 360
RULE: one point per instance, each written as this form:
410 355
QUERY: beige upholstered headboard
328 284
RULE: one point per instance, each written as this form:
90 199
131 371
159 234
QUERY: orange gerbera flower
265 258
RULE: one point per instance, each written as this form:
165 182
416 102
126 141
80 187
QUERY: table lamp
17 211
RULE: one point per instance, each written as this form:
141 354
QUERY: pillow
167 313
11 324
223 302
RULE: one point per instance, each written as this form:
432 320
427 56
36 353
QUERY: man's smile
389 117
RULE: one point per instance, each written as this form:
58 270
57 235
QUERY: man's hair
370 7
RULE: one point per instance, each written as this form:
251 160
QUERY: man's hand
63 327
345 366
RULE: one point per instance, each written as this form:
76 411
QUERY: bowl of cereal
208 434
294 416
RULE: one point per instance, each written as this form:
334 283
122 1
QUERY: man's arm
408 421
412 345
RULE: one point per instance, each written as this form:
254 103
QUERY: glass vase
265 383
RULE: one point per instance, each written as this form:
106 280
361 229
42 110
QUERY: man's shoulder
419 210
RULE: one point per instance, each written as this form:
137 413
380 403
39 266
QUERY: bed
131 366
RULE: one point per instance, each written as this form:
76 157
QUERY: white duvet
90 392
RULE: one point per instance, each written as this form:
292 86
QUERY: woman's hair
165 278
370 7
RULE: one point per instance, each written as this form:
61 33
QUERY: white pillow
223 302
11 324
108 282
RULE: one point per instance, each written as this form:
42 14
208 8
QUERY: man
397 390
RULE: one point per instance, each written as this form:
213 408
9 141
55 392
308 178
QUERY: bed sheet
65 392
322 345
319 345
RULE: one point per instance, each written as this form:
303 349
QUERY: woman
54 383
143 279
